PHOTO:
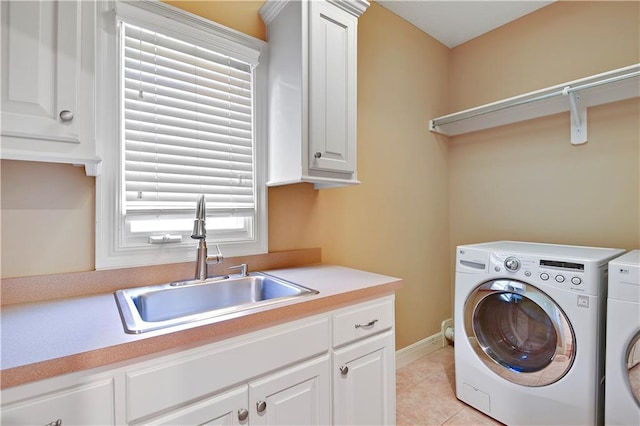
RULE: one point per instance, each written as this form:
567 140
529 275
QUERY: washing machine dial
512 263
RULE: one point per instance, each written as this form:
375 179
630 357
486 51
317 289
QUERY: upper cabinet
48 82
312 91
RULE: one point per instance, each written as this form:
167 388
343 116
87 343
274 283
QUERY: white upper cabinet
332 86
47 82
312 91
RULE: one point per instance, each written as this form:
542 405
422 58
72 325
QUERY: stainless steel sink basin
160 306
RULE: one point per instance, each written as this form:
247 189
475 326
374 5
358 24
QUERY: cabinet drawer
221 409
362 320
176 380
89 404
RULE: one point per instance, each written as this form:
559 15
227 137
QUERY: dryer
622 373
529 331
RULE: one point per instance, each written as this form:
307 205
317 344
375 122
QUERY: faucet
200 233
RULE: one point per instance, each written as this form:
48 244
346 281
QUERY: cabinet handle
56 423
261 406
344 370
317 155
369 324
66 115
243 413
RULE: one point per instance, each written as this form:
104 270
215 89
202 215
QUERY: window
188 118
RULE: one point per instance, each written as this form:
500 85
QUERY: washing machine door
519 332
633 367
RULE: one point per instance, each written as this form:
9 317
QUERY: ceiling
453 22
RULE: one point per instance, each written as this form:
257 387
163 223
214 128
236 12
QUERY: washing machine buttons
497 268
560 278
576 280
544 276
527 273
512 264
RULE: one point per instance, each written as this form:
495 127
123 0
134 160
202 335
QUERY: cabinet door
296 396
41 69
89 404
332 88
229 408
364 382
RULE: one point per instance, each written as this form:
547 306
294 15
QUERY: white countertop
43 339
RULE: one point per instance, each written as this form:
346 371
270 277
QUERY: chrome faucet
200 233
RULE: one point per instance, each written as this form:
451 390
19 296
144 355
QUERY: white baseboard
419 349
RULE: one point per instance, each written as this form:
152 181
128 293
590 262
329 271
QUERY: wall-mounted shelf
574 96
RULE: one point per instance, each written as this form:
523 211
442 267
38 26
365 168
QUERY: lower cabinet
364 364
295 396
364 382
333 368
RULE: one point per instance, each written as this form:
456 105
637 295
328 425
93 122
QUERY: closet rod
514 103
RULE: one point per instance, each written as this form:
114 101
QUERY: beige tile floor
425 394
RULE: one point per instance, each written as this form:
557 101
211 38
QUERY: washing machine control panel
562 274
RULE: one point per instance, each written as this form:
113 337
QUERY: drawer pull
55 423
344 370
369 324
261 406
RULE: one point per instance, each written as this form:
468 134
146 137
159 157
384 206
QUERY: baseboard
417 350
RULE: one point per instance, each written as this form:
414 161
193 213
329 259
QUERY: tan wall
47 222
241 15
526 181
561 42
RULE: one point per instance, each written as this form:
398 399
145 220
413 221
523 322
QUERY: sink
166 305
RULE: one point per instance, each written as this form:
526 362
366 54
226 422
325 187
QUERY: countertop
49 338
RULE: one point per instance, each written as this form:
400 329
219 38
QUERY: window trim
110 251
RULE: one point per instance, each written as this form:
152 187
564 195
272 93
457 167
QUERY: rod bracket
578 110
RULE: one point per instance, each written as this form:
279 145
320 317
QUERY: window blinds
187 126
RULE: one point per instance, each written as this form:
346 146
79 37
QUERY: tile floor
425 394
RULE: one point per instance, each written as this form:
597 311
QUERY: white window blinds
187 126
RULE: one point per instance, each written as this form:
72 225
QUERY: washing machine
529 326
622 372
